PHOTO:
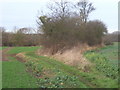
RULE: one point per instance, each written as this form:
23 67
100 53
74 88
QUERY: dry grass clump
73 56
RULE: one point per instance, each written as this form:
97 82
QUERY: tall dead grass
73 56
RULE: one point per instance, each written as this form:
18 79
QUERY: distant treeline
20 37
66 25
111 37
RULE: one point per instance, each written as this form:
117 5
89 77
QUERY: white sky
23 13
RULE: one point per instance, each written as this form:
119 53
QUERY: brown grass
73 56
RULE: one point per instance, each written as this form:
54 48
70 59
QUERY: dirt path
4 54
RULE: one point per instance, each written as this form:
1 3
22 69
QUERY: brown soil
73 56
4 54
20 57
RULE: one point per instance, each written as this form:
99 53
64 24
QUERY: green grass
55 74
88 79
14 71
105 61
0 74
15 76
2 48
58 69
16 50
110 52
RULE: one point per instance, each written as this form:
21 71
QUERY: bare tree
85 8
60 9
65 29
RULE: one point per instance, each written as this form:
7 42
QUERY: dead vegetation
73 56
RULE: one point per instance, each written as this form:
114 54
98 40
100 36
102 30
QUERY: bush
95 30
59 34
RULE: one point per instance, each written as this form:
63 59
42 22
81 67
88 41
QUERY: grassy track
21 78
14 73
2 48
15 76
44 72
17 50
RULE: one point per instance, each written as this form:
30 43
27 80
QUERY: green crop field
43 72
105 60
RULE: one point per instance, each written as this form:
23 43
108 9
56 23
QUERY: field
25 69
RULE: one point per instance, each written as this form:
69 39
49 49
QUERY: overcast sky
23 13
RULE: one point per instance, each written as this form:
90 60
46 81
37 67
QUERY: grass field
2 48
14 72
44 72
